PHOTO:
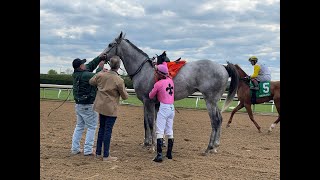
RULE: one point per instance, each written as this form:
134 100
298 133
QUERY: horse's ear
164 53
120 36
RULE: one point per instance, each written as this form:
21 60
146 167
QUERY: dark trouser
104 134
255 82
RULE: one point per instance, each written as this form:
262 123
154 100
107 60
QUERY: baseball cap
77 62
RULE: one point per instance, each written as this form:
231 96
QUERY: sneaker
91 154
109 158
76 152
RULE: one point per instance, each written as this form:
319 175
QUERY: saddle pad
174 67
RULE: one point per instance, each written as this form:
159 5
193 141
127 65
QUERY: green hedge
61 79
127 82
66 79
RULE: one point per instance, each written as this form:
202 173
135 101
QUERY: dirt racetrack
243 153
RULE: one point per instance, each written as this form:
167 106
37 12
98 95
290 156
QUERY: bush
66 79
61 79
127 81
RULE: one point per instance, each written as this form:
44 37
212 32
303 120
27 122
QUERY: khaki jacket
110 86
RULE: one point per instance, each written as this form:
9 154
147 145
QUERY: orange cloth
174 67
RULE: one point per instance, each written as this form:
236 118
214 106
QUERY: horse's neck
242 83
242 74
132 59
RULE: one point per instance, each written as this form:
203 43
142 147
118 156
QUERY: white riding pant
164 120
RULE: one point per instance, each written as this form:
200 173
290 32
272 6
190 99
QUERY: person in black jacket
84 96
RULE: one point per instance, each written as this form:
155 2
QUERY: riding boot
158 157
255 84
169 151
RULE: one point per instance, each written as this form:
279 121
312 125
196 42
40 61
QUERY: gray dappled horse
205 76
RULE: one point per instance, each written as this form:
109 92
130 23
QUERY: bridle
116 44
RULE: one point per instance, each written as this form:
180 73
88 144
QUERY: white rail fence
197 95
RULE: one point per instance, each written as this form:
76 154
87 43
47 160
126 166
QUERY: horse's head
112 48
132 57
162 58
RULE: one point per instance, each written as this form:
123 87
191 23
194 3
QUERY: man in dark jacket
84 96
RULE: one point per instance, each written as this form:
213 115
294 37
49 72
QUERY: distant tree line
66 79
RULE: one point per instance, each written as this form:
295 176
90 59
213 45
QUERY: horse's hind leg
240 106
273 125
249 111
216 122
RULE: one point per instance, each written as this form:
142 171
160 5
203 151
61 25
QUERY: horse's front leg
149 117
250 113
240 106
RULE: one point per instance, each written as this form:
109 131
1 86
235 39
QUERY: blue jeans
104 134
86 118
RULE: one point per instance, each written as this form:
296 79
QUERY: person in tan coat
110 87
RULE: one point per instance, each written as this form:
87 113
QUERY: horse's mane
135 47
240 71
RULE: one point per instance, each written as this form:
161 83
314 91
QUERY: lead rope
60 104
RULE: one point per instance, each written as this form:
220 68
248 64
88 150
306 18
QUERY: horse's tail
233 73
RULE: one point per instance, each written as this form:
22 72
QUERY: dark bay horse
205 76
243 94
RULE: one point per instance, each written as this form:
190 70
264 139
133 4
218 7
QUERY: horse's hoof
228 125
214 151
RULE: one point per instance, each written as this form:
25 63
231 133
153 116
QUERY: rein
246 80
140 67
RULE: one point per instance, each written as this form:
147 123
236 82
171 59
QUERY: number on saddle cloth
264 89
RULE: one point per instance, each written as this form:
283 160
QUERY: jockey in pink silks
164 90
